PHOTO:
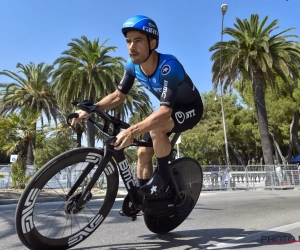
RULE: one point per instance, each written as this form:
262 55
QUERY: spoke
91 209
49 213
77 222
65 223
86 216
59 184
41 203
59 194
65 226
54 222
51 224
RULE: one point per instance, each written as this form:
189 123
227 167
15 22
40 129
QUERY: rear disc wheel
188 176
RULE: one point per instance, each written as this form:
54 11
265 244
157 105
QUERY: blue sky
39 30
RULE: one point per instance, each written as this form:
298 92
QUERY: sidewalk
12 196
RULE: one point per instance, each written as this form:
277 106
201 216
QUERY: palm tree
86 72
17 131
136 100
31 88
257 56
63 127
137 103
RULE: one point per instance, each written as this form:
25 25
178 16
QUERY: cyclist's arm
117 97
112 100
172 74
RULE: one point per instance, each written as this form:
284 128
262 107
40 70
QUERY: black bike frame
110 152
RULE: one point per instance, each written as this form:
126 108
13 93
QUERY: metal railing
251 177
237 177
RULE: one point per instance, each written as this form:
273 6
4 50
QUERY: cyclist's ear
153 43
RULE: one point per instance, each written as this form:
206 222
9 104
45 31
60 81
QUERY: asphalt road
258 219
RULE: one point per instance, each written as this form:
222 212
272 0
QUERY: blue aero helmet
142 24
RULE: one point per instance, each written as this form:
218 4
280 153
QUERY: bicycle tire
31 230
189 177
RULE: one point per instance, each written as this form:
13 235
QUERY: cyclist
180 109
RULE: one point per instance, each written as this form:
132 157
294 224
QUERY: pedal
128 209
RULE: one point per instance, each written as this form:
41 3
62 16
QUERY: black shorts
185 117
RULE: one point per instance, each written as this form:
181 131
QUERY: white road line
244 240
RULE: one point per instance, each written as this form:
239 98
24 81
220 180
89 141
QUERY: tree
205 142
86 72
31 89
17 130
137 103
51 143
283 117
257 55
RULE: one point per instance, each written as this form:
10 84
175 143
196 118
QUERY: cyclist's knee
145 154
163 129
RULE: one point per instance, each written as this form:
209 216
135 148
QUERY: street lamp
224 9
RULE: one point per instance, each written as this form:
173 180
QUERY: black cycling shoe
153 186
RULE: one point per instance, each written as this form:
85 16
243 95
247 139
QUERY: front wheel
44 215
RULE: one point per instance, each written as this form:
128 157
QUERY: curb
15 201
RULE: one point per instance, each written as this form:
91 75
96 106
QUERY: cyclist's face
137 45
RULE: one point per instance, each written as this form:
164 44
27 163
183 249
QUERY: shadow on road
6 218
205 239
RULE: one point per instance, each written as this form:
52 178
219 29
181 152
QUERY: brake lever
71 116
111 139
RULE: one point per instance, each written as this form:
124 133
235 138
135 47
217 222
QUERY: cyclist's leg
162 149
144 171
144 164
184 117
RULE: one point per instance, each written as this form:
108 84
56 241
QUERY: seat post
175 138
173 141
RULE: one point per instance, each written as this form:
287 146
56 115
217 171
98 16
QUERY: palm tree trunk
294 131
31 148
91 129
30 156
23 153
260 106
293 127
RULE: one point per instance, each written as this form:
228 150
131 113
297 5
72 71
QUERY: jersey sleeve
171 75
128 78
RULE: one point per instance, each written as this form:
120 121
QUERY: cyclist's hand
83 117
124 139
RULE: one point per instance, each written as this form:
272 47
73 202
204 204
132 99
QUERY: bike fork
86 194
81 178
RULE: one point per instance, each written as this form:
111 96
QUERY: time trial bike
59 207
